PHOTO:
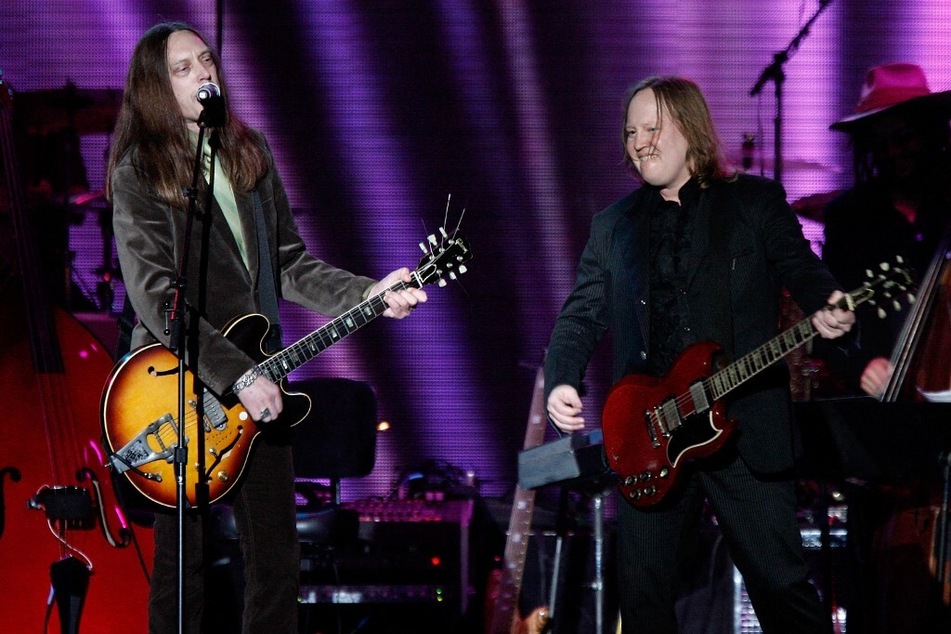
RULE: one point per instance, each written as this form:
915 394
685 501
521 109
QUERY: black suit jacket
746 245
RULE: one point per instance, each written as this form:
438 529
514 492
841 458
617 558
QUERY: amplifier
372 593
374 511
409 564
408 552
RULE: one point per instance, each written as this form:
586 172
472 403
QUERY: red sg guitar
653 426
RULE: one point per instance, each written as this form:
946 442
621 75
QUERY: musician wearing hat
898 206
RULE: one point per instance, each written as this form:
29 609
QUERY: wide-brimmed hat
892 85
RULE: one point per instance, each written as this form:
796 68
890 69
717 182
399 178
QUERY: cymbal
90 201
83 110
813 206
790 165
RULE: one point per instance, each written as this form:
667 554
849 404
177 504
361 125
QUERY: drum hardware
54 120
813 206
107 273
82 110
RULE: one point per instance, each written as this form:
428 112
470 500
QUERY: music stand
575 462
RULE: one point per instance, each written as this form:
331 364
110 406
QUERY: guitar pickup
139 450
699 395
215 416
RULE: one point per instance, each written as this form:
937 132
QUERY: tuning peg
881 313
443 233
422 247
441 283
911 298
462 269
432 239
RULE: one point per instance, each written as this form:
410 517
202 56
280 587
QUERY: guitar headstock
445 257
886 287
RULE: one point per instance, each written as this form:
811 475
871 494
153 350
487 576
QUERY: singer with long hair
172 74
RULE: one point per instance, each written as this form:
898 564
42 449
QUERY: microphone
209 96
207 92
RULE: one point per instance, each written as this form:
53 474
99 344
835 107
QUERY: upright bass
68 553
921 357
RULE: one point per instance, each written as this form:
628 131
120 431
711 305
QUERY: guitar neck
297 354
751 364
505 611
513 561
447 258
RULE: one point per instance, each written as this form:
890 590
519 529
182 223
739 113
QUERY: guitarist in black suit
698 254
153 152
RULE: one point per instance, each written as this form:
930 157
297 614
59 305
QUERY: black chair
337 440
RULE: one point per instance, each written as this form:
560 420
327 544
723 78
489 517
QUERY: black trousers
757 517
265 515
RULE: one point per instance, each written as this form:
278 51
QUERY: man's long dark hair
151 126
684 102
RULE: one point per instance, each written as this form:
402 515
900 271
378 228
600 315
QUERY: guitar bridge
664 418
148 446
139 450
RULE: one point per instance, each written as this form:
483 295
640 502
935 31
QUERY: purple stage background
378 111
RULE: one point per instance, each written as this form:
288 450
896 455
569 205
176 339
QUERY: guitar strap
266 289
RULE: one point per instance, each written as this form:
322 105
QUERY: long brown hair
151 126
683 100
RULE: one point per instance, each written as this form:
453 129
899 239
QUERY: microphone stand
211 117
774 72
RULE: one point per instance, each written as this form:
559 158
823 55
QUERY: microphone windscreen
208 91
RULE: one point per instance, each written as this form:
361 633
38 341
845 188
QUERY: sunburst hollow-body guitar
139 406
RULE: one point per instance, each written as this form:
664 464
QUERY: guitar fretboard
520 523
670 414
751 364
297 354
